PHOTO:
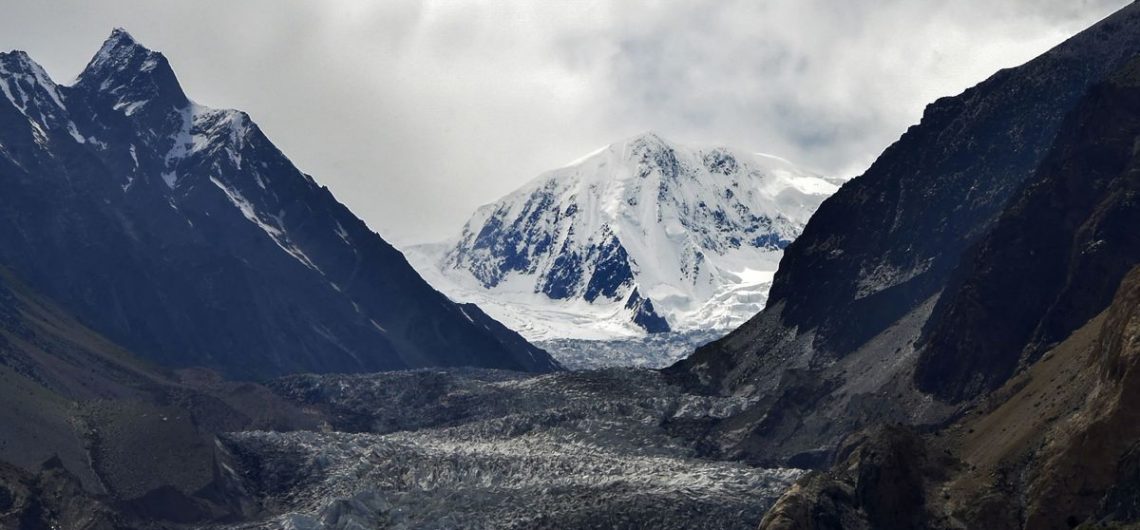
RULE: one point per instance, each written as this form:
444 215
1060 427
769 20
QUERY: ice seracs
641 236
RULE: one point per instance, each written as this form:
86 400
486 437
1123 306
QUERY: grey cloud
414 113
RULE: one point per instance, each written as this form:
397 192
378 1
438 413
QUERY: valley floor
490 449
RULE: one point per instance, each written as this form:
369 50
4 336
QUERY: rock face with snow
184 234
642 236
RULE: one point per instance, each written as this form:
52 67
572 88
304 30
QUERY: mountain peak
121 36
19 62
117 53
193 196
697 233
27 85
15 57
132 74
647 138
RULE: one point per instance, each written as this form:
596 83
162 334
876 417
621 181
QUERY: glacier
643 236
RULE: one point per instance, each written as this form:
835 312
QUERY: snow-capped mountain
641 236
184 234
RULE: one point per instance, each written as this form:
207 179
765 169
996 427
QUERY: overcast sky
415 113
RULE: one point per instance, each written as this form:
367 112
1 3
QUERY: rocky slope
184 234
123 441
851 336
1071 235
642 236
1053 448
1035 342
50 498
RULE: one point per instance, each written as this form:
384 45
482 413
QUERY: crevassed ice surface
491 449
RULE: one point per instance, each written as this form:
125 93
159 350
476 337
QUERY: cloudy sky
415 113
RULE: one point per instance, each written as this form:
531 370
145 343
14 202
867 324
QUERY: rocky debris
655 351
484 449
51 498
878 482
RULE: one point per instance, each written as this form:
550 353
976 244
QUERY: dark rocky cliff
857 302
890 239
184 234
1036 342
1054 258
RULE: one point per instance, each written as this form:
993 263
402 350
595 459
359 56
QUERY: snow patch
205 129
75 132
340 231
275 233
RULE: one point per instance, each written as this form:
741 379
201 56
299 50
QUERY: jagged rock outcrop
879 485
52 497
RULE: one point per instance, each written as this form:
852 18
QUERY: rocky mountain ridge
184 234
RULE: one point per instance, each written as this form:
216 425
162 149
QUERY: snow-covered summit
643 235
29 88
121 53
133 76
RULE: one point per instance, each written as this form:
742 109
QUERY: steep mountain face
182 233
642 236
1053 259
838 344
1034 343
